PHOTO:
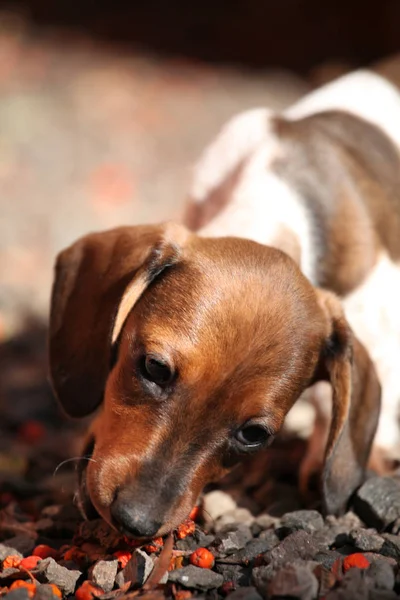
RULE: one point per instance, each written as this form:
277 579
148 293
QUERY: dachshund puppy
322 183
191 349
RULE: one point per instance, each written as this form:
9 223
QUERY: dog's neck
250 214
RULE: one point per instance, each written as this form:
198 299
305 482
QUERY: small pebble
194 577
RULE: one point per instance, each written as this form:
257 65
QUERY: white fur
262 203
236 140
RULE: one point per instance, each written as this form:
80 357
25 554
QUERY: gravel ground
91 138
257 538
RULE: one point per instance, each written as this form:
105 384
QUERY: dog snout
134 519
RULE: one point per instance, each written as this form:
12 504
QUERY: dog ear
356 396
97 282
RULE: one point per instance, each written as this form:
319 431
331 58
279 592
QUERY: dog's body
325 188
194 348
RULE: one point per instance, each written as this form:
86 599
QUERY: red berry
30 587
51 587
202 558
156 545
11 561
188 527
44 551
75 555
30 562
182 595
355 560
123 557
88 591
56 590
194 513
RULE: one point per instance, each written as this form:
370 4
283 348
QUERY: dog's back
321 182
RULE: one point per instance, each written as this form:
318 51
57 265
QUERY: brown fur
245 334
348 173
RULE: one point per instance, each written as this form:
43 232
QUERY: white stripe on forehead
362 93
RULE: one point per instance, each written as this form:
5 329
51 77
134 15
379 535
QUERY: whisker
67 460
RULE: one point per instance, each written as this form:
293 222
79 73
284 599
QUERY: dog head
193 350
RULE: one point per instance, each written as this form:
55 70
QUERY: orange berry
357 560
29 563
87 591
56 590
194 513
156 545
19 583
75 554
123 557
44 551
188 527
183 595
202 558
11 562
32 432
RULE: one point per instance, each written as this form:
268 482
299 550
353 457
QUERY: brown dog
194 350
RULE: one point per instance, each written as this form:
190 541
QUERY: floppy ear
97 282
356 395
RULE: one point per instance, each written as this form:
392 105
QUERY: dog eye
156 370
252 436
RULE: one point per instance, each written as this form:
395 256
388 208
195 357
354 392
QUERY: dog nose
134 520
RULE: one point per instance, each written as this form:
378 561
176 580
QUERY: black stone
194 577
391 545
103 574
297 581
307 520
261 577
236 573
44 592
298 545
326 558
366 540
353 586
377 502
18 594
6 550
270 536
24 544
229 542
49 571
381 575
12 573
244 593
192 542
252 549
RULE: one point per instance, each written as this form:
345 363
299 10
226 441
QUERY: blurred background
104 107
